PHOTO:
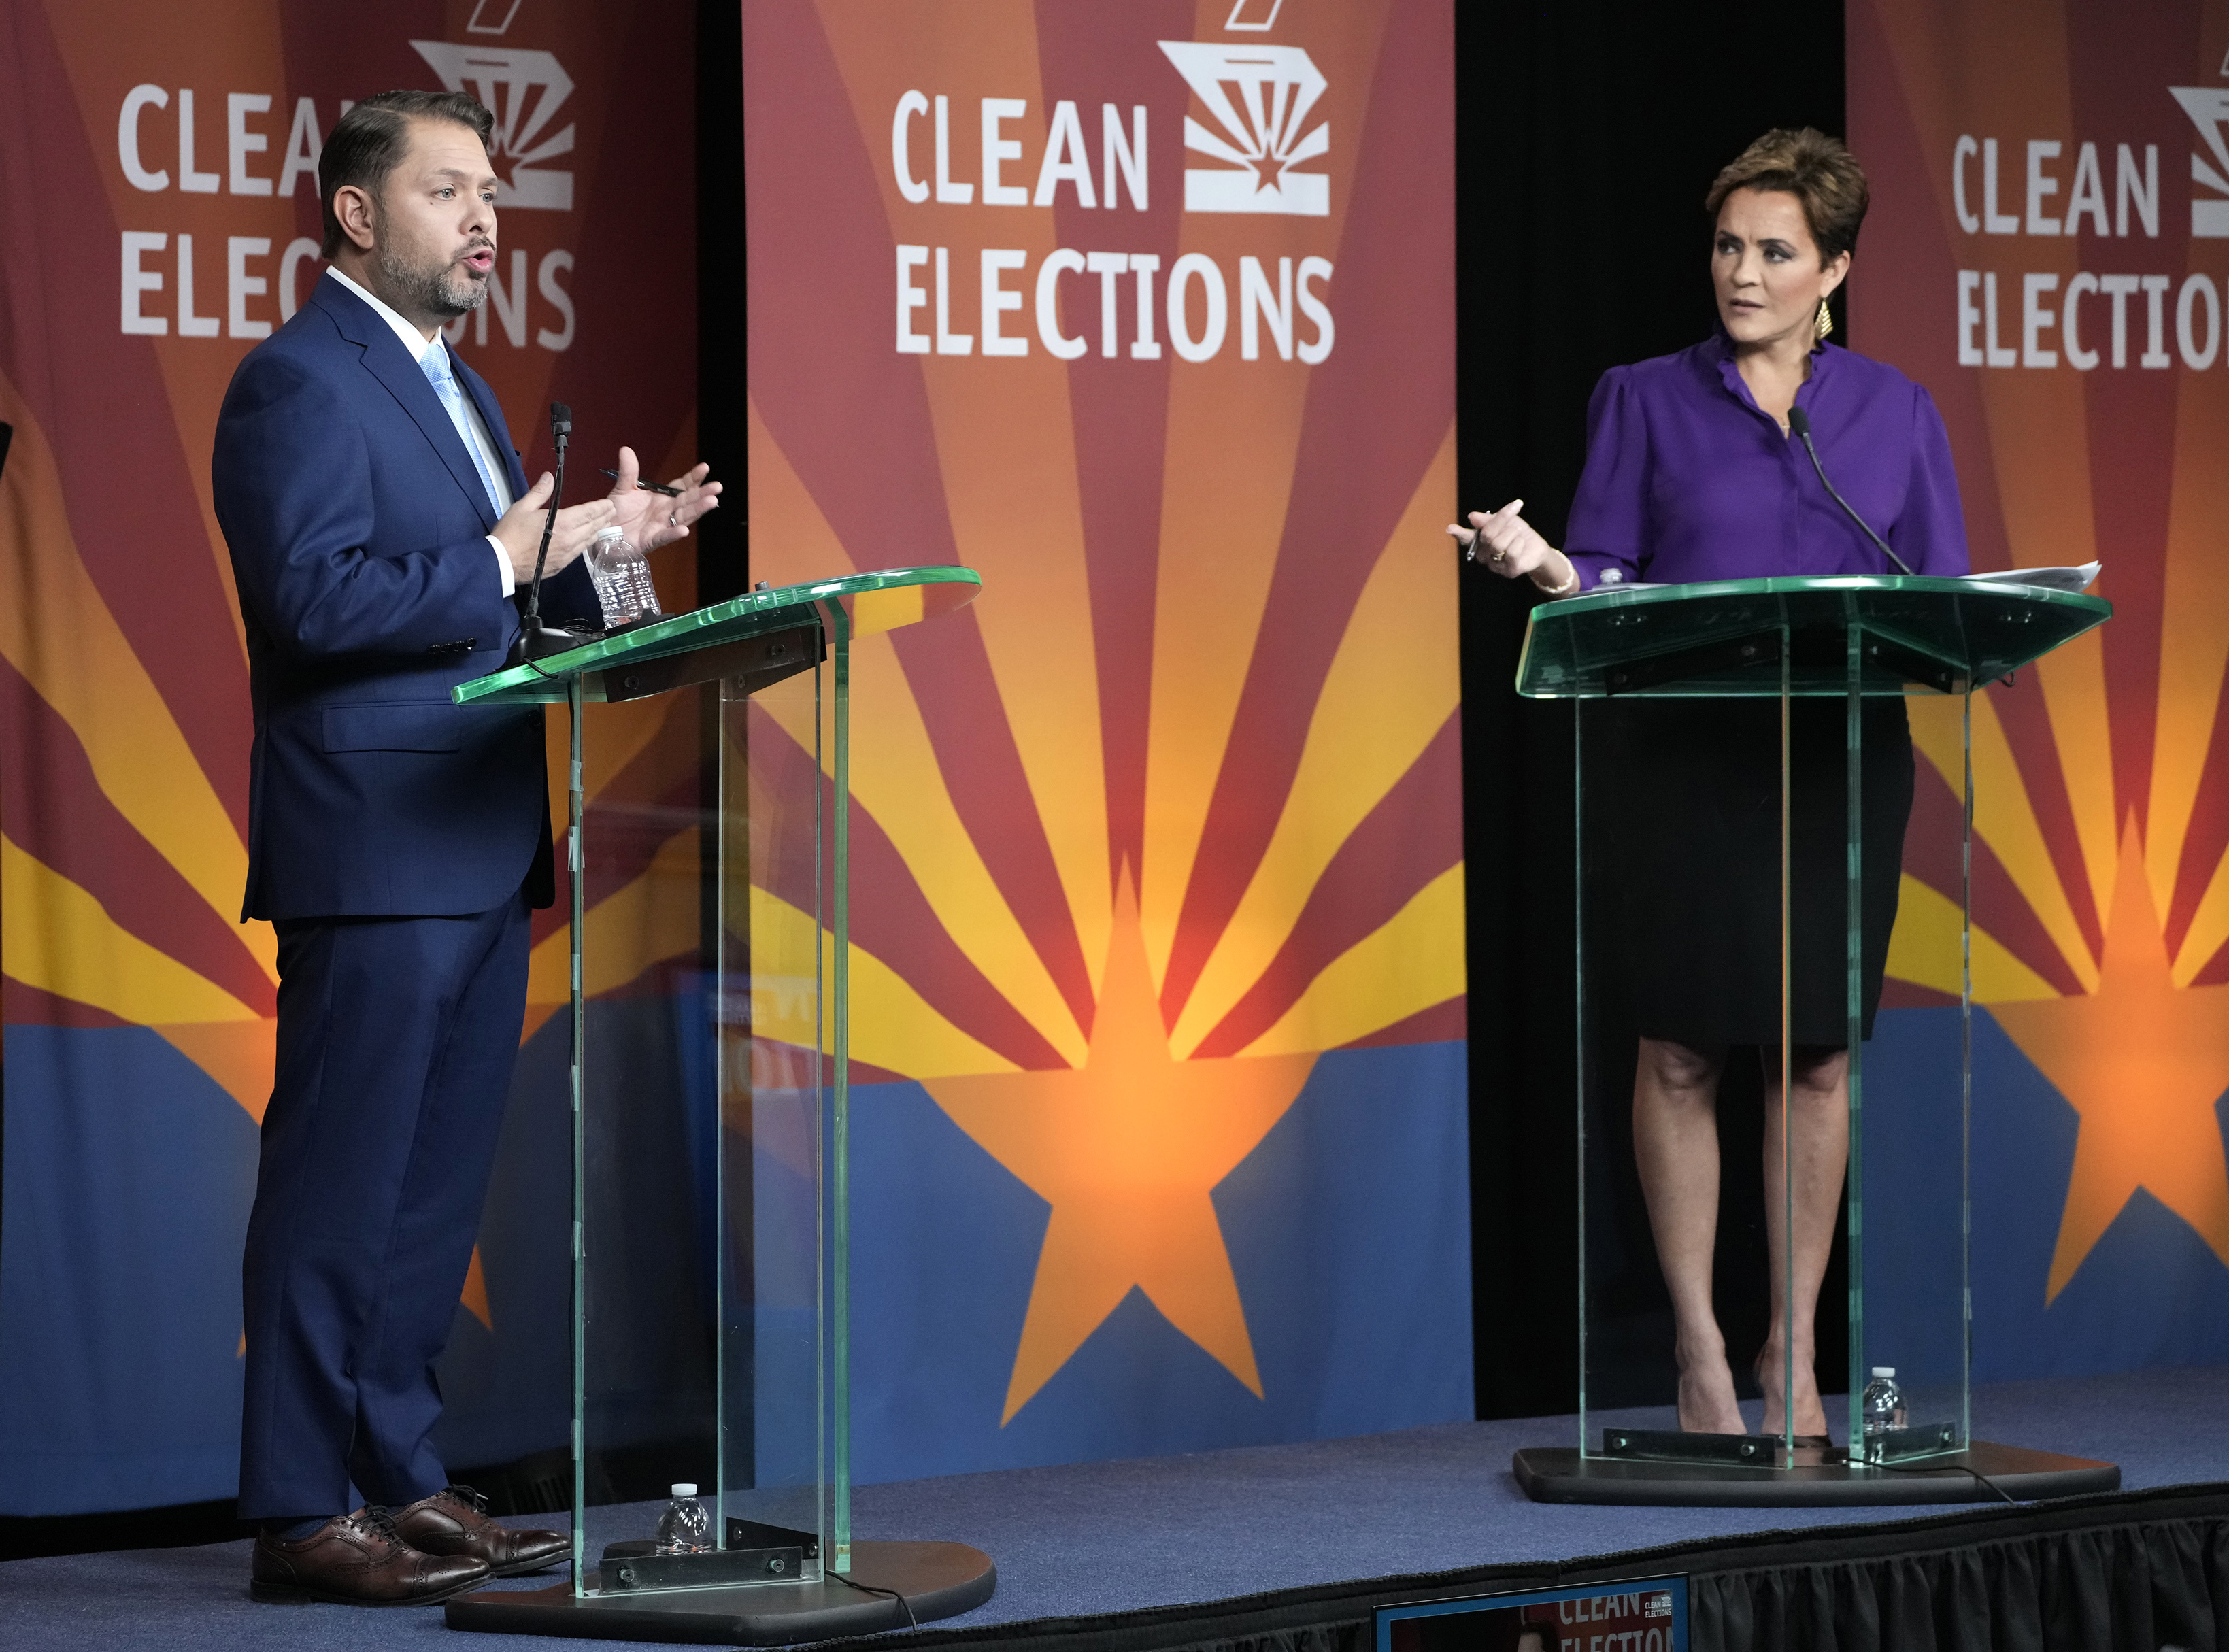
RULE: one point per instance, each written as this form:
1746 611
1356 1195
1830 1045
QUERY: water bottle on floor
685 1528
1882 1408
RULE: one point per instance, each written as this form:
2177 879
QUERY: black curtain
1587 133
722 425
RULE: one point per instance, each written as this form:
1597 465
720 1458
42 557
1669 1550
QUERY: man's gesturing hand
655 519
519 533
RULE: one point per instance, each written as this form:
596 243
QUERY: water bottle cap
1884 1371
685 1489
610 536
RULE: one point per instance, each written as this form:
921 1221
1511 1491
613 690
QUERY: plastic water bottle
624 589
644 590
685 1528
1882 1408
604 556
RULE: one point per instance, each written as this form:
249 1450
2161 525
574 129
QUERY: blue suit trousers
396 1038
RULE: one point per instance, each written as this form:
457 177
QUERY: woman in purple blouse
1691 475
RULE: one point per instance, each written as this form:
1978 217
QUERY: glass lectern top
1721 638
862 604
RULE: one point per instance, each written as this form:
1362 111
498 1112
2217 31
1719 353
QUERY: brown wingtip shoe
455 1521
358 1559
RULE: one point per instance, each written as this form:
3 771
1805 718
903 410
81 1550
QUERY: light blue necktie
434 364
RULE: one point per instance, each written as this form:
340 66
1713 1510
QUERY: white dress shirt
417 343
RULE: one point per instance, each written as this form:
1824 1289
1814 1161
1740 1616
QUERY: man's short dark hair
371 139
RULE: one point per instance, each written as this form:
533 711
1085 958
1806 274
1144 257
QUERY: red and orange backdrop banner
158 215
2048 252
1147 312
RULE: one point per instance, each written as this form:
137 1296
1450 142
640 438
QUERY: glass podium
710 1011
1753 838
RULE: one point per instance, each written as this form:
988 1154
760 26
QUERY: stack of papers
2052 579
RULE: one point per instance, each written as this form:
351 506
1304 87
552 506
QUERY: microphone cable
1800 422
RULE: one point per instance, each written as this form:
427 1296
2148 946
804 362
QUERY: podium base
937 1579
1560 1475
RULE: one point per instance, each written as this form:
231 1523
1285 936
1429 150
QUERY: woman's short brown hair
1816 169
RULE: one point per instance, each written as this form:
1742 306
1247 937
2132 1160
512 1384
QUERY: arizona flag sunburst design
125 675
1174 805
2101 859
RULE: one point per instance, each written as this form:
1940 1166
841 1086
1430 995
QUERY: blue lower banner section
2150 1293
128 1176
1348 1231
129 1173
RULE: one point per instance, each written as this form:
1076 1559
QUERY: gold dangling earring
1826 322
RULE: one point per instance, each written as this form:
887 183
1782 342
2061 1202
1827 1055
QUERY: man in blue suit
381 531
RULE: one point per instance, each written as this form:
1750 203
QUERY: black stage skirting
2130 1572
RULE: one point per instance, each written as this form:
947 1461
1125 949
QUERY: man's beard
434 289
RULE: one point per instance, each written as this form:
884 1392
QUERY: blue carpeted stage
1290 1546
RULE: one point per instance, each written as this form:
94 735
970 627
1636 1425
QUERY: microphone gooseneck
1800 422
535 638
560 430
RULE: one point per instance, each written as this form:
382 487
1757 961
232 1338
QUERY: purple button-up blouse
1687 478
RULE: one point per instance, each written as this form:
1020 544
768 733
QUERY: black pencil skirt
1685 853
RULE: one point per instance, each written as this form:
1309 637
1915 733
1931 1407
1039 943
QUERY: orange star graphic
1126 1149
2145 1064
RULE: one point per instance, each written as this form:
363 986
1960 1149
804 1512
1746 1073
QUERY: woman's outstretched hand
1508 544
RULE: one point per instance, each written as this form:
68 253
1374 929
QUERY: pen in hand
650 487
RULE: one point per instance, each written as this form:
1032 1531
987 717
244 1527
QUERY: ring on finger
674 518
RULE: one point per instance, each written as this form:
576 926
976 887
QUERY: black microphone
535 640
1800 422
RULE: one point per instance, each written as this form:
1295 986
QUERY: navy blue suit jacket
357 526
